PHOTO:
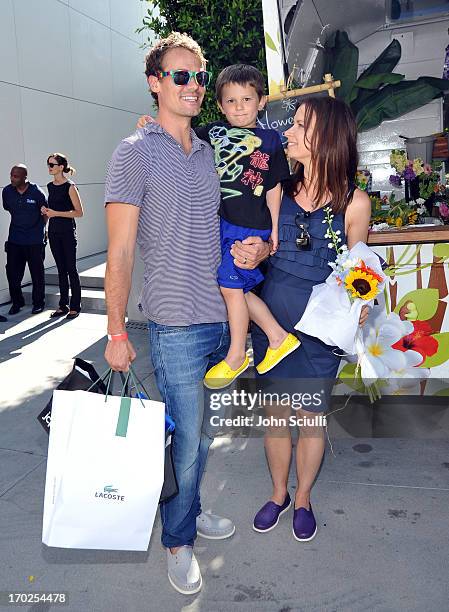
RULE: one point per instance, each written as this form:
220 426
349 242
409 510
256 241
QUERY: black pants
17 256
63 247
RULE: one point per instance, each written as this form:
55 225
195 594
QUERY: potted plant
421 179
378 93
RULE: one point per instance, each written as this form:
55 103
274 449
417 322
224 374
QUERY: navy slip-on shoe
304 524
268 516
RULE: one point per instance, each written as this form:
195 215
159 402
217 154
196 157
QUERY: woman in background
64 205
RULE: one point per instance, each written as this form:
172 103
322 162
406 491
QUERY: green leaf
377 80
385 63
269 42
442 354
342 58
441 250
348 377
425 300
392 101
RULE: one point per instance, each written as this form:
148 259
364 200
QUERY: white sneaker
214 527
183 571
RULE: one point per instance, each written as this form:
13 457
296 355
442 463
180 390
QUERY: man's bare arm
122 220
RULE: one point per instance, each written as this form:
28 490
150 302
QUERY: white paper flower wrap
330 315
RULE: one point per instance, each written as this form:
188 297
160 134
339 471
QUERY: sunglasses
52 164
303 238
182 77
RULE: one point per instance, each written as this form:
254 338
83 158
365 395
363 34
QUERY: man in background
25 245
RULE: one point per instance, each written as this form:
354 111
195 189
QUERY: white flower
348 263
378 227
420 201
379 333
324 221
404 380
338 232
330 245
344 247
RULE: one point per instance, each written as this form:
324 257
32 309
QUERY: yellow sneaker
274 356
222 375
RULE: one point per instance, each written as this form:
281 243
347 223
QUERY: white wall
71 80
423 48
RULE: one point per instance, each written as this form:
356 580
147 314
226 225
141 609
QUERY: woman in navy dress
322 142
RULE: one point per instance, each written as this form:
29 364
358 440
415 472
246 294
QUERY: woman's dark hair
333 146
62 161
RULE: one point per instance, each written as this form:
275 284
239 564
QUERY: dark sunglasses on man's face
182 77
52 164
303 239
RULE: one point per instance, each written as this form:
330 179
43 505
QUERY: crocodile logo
110 493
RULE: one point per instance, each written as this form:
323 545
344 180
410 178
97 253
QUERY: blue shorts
228 274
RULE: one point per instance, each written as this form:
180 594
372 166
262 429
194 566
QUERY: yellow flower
398 160
418 166
398 222
361 284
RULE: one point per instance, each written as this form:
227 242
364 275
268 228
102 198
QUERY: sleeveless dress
62 238
290 278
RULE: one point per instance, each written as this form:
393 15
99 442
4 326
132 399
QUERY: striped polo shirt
178 231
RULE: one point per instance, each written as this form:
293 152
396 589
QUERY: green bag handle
125 401
125 407
107 373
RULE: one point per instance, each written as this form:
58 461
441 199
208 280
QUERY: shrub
229 32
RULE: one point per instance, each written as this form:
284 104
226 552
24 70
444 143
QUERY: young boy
251 164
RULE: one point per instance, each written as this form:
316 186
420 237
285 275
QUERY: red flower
420 340
364 268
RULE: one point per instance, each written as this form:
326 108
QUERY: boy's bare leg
238 316
261 315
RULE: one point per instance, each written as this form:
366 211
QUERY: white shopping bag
105 471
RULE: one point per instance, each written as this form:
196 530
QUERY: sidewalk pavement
381 507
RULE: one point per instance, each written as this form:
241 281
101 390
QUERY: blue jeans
181 356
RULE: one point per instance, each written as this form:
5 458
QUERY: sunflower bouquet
333 311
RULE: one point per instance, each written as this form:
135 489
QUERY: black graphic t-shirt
250 162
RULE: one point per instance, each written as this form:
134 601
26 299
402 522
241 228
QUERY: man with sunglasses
23 200
162 189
